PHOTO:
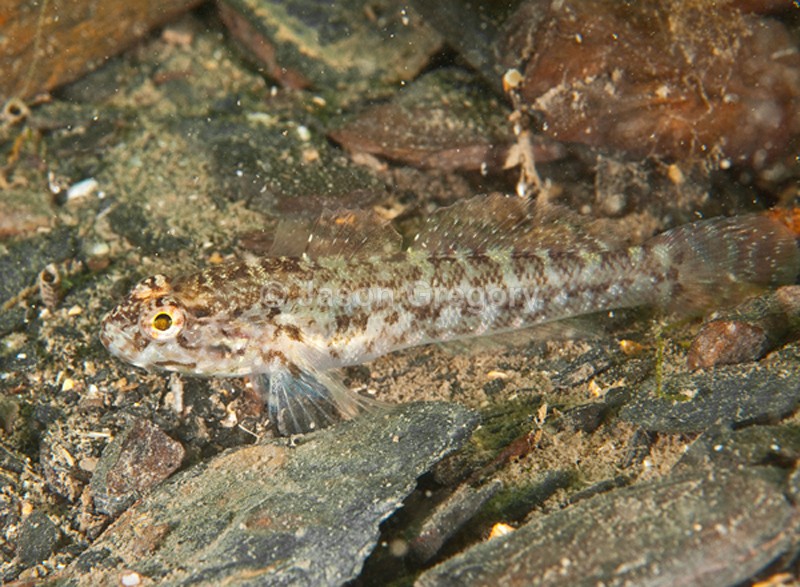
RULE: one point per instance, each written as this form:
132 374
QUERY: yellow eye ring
164 323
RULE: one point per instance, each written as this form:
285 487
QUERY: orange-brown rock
49 43
680 79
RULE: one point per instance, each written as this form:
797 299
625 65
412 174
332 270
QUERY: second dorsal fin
497 221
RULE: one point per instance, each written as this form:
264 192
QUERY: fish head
157 328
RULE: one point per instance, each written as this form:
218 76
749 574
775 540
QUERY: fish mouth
104 338
118 342
181 367
109 335
110 332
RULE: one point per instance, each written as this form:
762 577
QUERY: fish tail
723 260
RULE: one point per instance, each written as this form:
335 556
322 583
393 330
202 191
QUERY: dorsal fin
347 233
497 221
487 222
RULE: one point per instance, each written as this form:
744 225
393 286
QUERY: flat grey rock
737 395
698 529
276 514
754 446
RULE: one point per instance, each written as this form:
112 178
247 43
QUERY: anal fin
596 325
304 402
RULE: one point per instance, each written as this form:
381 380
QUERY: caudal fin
720 261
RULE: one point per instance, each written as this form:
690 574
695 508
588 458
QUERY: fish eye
164 323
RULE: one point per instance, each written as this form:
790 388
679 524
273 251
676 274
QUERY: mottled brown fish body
289 321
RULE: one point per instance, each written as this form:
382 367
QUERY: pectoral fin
304 402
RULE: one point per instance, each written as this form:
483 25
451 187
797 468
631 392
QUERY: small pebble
138 458
82 189
130 579
500 529
726 342
100 249
38 538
